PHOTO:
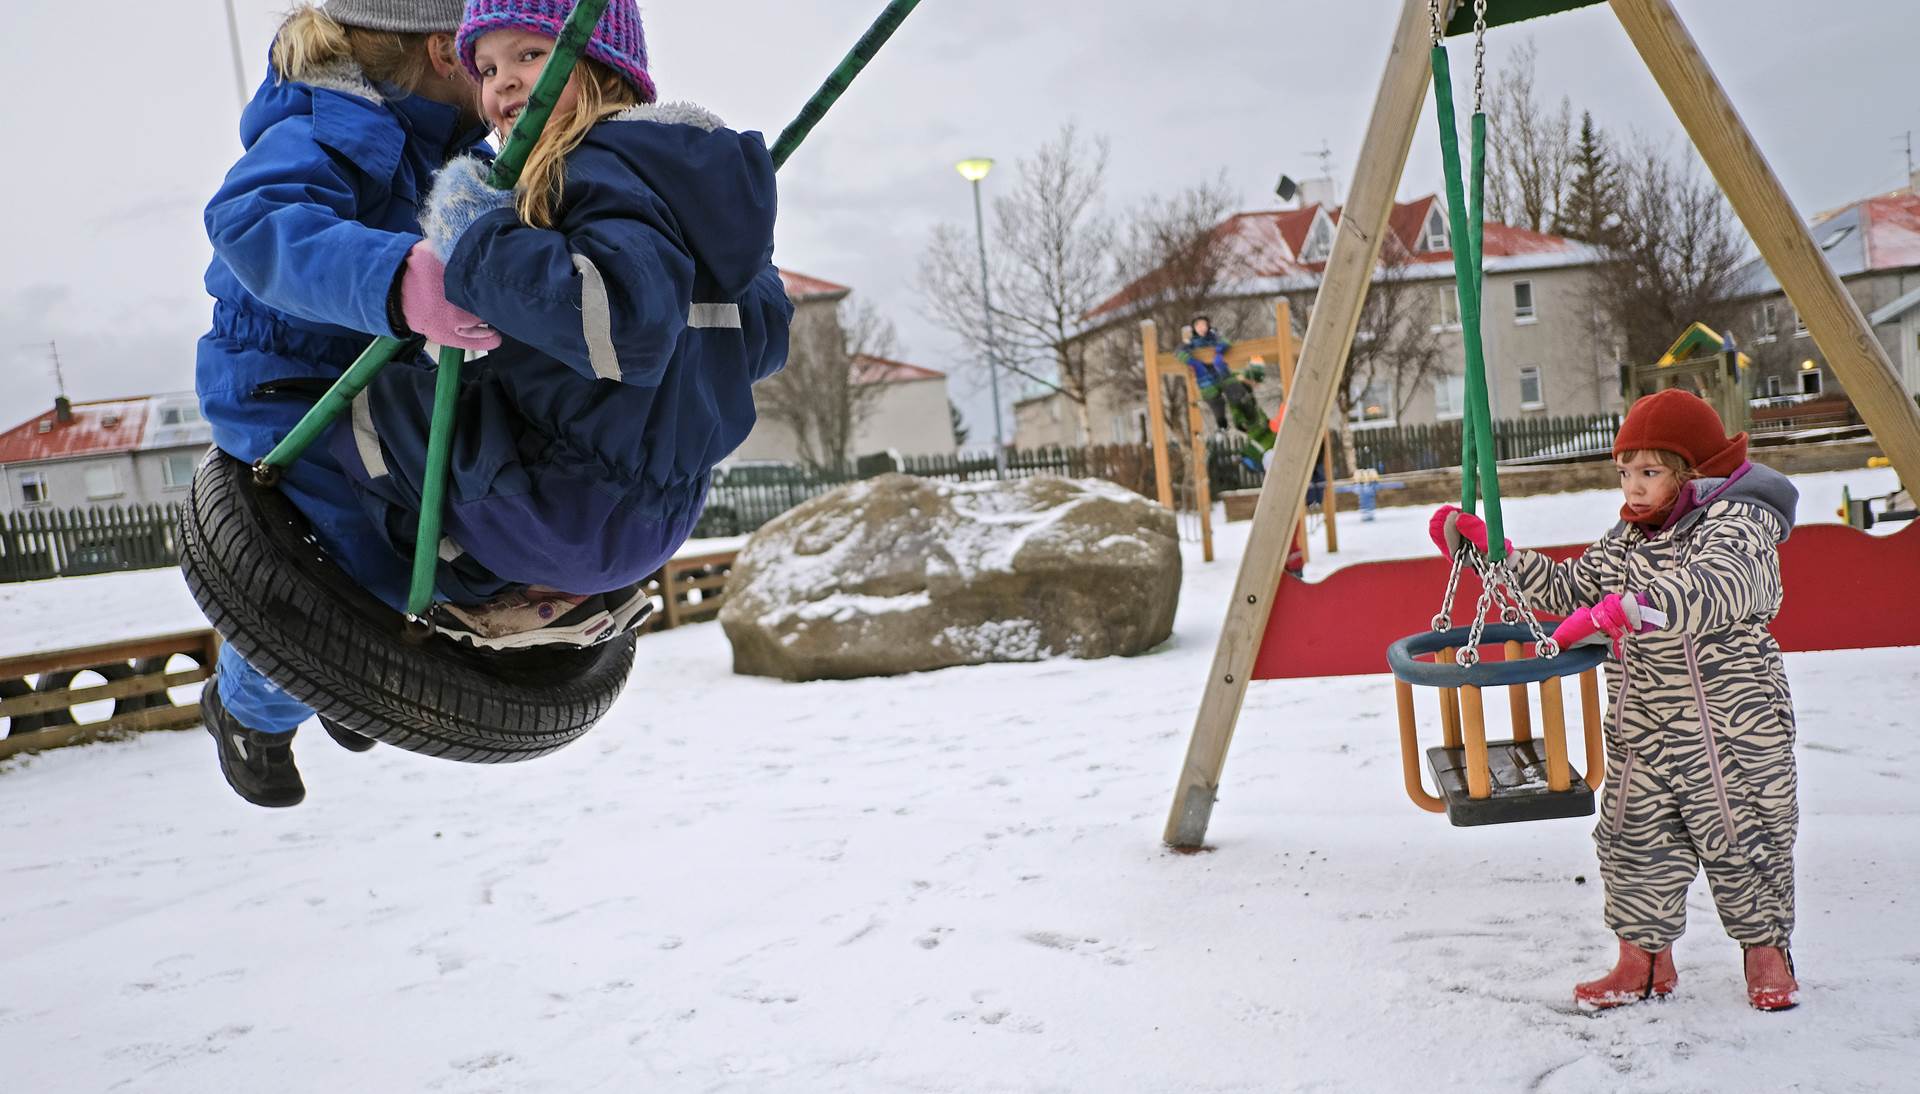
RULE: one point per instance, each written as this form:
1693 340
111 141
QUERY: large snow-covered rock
898 574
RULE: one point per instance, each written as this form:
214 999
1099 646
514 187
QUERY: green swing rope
572 40
1478 470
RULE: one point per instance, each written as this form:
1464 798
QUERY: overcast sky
127 114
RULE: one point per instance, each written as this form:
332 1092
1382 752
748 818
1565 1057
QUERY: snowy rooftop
947 882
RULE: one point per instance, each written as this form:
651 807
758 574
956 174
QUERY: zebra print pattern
1700 766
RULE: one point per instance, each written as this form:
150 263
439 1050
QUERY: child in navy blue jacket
317 245
630 275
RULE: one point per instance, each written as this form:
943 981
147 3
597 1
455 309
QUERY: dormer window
1434 238
1319 240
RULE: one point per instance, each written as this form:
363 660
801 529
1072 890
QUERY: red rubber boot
1770 982
1638 975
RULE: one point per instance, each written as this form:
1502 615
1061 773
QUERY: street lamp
974 170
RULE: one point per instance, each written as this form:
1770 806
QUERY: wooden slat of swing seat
1519 770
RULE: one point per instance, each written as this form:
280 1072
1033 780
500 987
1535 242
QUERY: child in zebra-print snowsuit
1699 735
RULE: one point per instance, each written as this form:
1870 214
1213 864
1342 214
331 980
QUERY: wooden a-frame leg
1323 355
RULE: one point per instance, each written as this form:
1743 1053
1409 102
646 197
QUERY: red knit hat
1685 424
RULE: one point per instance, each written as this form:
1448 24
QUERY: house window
1773 387
1435 237
1373 405
33 488
177 471
1523 302
1449 397
1767 323
1532 393
102 482
1449 309
1799 324
169 415
1810 381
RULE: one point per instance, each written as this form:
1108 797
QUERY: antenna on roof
59 380
1325 155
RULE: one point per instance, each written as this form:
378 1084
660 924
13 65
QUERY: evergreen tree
1591 210
960 429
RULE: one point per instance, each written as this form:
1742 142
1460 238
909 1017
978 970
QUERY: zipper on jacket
1626 768
1713 752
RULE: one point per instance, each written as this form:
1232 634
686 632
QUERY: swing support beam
1674 59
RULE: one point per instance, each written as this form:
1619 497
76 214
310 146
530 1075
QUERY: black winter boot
346 738
259 766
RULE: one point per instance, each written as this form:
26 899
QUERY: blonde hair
1672 461
600 93
311 43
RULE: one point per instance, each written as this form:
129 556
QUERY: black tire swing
1481 781
256 570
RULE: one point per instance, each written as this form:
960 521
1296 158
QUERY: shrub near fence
43 543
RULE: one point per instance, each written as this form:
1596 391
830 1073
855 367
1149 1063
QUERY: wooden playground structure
1289 629
1280 351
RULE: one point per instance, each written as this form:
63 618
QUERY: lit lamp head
975 169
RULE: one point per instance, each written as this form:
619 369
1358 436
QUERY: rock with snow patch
898 574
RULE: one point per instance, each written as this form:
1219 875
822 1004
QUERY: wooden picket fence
42 543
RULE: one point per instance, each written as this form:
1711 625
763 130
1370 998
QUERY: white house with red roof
1874 246
114 452
909 417
1546 350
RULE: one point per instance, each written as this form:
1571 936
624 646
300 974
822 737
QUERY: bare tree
1177 260
1672 256
830 386
1396 347
1530 149
1049 262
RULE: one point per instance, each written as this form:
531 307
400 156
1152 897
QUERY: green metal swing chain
573 38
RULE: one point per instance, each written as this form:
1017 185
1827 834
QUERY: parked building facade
1547 347
909 416
1874 246
115 452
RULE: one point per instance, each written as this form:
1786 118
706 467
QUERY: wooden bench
41 717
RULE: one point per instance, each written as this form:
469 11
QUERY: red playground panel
1845 590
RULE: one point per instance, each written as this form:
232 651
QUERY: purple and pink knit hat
617 42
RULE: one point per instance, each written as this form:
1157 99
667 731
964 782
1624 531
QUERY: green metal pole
426 543
842 76
1477 458
331 405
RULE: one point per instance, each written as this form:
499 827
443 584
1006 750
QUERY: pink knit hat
617 42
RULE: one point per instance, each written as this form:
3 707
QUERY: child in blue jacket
317 245
630 276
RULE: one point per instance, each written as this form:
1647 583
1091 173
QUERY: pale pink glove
1614 615
1451 525
424 303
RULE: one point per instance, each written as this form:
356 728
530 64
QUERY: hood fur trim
671 114
344 77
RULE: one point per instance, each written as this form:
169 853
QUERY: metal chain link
1469 654
1444 620
1433 17
1479 56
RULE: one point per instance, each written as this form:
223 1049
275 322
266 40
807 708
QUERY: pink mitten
1451 525
423 300
1575 629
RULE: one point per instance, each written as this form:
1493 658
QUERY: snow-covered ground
946 882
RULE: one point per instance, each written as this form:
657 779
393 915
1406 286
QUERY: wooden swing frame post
1782 237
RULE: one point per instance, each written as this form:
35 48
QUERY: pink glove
424 303
1451 525
1615 616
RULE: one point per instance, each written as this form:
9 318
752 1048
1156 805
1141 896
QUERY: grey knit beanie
408 16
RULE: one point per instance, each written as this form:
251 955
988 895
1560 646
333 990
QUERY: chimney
62 410
1319 191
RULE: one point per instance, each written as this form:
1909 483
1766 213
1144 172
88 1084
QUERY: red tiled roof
97 429
1893 230
801 287
880 370
1268 245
